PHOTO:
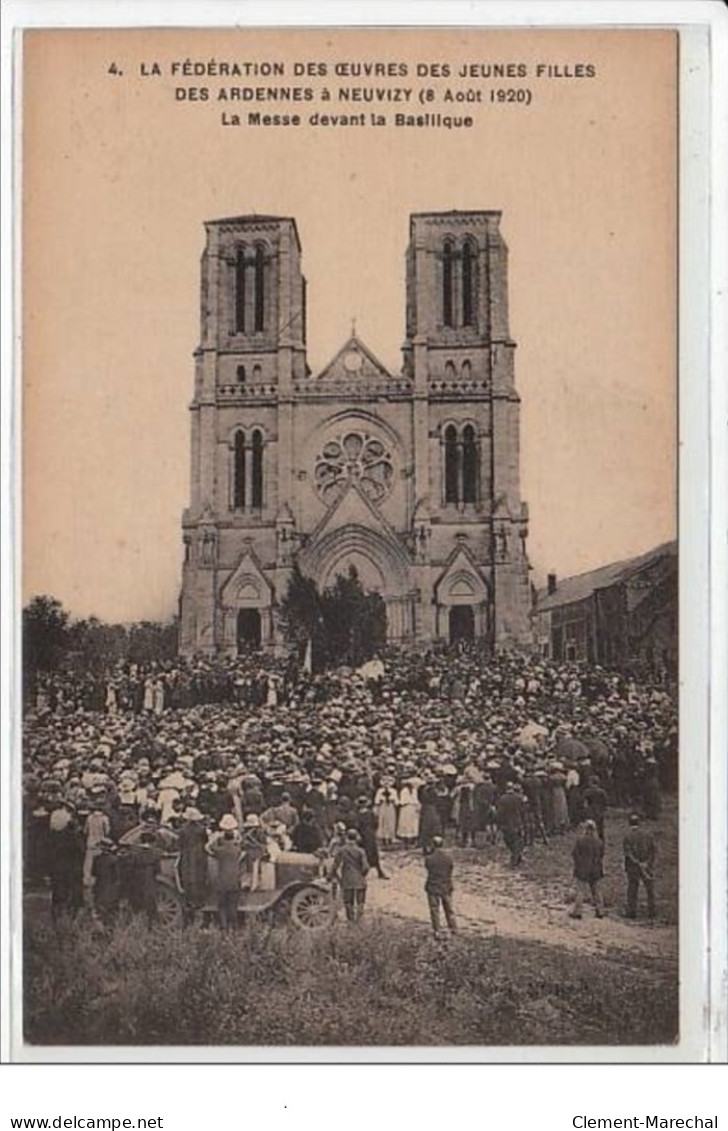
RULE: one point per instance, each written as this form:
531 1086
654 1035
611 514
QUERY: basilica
412 477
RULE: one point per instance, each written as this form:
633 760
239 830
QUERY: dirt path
492 899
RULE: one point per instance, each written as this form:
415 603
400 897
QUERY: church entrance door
462 623
249 630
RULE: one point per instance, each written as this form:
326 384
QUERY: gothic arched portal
382 566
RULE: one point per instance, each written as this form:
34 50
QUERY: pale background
118 180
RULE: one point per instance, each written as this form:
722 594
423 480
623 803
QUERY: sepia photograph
350 539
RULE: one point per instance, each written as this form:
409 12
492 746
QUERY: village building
624 614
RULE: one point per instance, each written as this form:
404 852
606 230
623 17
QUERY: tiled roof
569 590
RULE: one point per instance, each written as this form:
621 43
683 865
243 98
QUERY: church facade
411 477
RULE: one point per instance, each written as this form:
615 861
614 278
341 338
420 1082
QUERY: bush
381 983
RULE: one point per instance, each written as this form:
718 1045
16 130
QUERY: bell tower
252 350
459 355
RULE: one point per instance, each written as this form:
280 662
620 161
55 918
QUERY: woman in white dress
385 806
409 814
111 702
271 699
158 696
557 777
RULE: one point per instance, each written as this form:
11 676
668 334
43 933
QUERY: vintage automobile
292 889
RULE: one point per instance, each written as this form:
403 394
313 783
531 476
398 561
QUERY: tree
355 621
302 618
45 639
95 646
90 645
46 633
152 640
345 624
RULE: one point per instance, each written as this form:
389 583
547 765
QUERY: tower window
239 472
259 302
468 262
447 285
451 464
240 267
241 374
470 465
257 470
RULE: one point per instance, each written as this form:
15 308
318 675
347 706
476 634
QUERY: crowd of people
422 747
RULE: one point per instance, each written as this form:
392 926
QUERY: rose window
358 458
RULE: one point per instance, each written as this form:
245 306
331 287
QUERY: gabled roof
343 365
352 508
461 578
582 585
247 584
353 524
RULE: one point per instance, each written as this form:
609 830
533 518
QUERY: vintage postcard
350 549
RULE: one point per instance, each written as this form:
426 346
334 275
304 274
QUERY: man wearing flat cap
350 872
439 885
588 857
639 864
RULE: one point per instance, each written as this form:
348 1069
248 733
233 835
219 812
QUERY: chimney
551 584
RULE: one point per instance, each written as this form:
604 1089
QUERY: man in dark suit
588 857
639 864
511 820
144 860
438 885
596 803
350 872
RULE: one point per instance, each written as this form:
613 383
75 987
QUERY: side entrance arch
245 608
462 598
462 623
249 630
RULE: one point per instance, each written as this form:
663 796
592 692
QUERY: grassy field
543 866
384 982
381 983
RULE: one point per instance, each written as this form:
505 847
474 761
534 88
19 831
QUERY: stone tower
460 357
411 477
252 348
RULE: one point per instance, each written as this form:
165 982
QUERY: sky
119 175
